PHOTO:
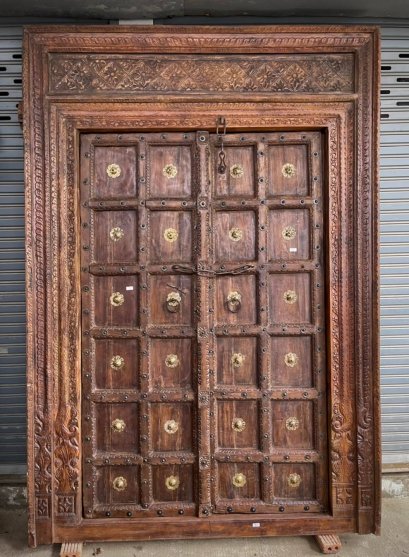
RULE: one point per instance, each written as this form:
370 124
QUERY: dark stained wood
206 342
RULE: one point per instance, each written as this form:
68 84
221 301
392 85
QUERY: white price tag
129 288
293 250
256 524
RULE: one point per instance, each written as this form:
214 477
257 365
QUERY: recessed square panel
291 361
235 235
237 360
237 423
289 234
116 364
114 236
173 482
117 485
294 481
170 299
171 362
236 300
171 426
170 236
170 171
116 301
115 173
287 170
238 180
116 427
239 480
290 298
293 424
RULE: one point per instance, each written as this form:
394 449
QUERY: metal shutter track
12 299
394 250
395 245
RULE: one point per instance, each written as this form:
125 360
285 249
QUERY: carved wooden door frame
82 79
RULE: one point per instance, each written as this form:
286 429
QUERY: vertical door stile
144 347
204 338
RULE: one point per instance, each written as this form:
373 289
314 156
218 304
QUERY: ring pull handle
173 302
234 301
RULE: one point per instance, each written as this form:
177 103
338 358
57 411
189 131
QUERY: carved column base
71 549
329 543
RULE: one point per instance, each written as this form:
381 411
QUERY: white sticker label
293 250
129 288
256 524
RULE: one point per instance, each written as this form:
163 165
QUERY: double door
203 324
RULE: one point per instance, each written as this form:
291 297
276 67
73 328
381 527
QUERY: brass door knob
235 234
172 360
173 301
292 423
294 480
116 234
290 297
234 301
290 359
171 426
237 359
113 170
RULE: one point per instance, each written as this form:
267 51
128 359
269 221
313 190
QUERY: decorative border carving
52 264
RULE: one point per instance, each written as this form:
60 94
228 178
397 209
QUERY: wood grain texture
342 108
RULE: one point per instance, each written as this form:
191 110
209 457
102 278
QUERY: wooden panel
234 235
117 485
116 364
116 428
235 183
162 286
118 181
114 236
291 361
172 426
290 235
294 481
170 171
171 362
237 360
173 483
239 481
238 424
288 172
171 236
116 301
290 298
293 424
243 312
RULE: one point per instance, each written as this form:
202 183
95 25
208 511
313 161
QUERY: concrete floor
394 541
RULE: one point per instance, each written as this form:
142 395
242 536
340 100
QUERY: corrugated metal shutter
395 244
12 300
394 250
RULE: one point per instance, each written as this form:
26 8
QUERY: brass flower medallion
289 233
171 426
113 170
172 482
237 359
117 362
290 297
116 234
291 359
170 171
292 423
118 425
288 170
120 483
239 480
172 360
294 480
238 424
171 235
236 171
116 299
235 234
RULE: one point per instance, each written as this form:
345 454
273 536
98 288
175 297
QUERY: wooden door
203 324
